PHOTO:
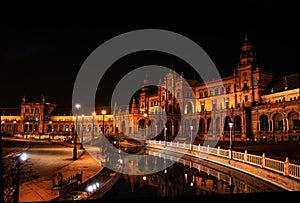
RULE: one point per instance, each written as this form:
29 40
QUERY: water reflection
187 176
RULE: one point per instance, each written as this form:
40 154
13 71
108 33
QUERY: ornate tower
144 97
247 75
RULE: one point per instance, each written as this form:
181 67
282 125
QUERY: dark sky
43 55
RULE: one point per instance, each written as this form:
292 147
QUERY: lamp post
82 129
103 112
14 126
145 126
230 123
165 134
75 133
191 127
19 158
27 123
93 127
50 123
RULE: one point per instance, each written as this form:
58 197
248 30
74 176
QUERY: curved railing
282 167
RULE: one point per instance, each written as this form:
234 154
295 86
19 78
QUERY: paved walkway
40 190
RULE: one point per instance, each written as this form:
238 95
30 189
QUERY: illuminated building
261 105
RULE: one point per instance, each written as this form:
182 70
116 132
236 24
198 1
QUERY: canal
186 176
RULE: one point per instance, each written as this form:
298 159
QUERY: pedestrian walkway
40 190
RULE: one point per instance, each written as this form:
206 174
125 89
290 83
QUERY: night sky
42 56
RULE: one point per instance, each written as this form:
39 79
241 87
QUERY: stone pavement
40 190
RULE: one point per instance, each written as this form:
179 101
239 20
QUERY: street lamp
14 126
20 157
50 124
81 140
165 134
191 127
77 106
145 125
103 112
93 126
230 123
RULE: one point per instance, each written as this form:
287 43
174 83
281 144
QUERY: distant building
42 119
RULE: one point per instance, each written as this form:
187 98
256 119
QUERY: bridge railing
283 167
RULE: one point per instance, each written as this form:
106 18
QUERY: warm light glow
22 157
94 114
145 115
77 106
191 127
230 124
15 121
50 122
103 112
82 115
144 178
2 122
90 188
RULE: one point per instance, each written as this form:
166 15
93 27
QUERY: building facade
41 119
261 105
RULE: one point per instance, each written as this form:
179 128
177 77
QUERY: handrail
282 167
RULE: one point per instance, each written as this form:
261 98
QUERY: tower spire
247 56
246 37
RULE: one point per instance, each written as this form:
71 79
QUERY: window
36 118
222 90
245 84
202 106
246 98
214 105
37 110
216 91
227 103
280 125
296 124
254 81
228 89
206 94
201 94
